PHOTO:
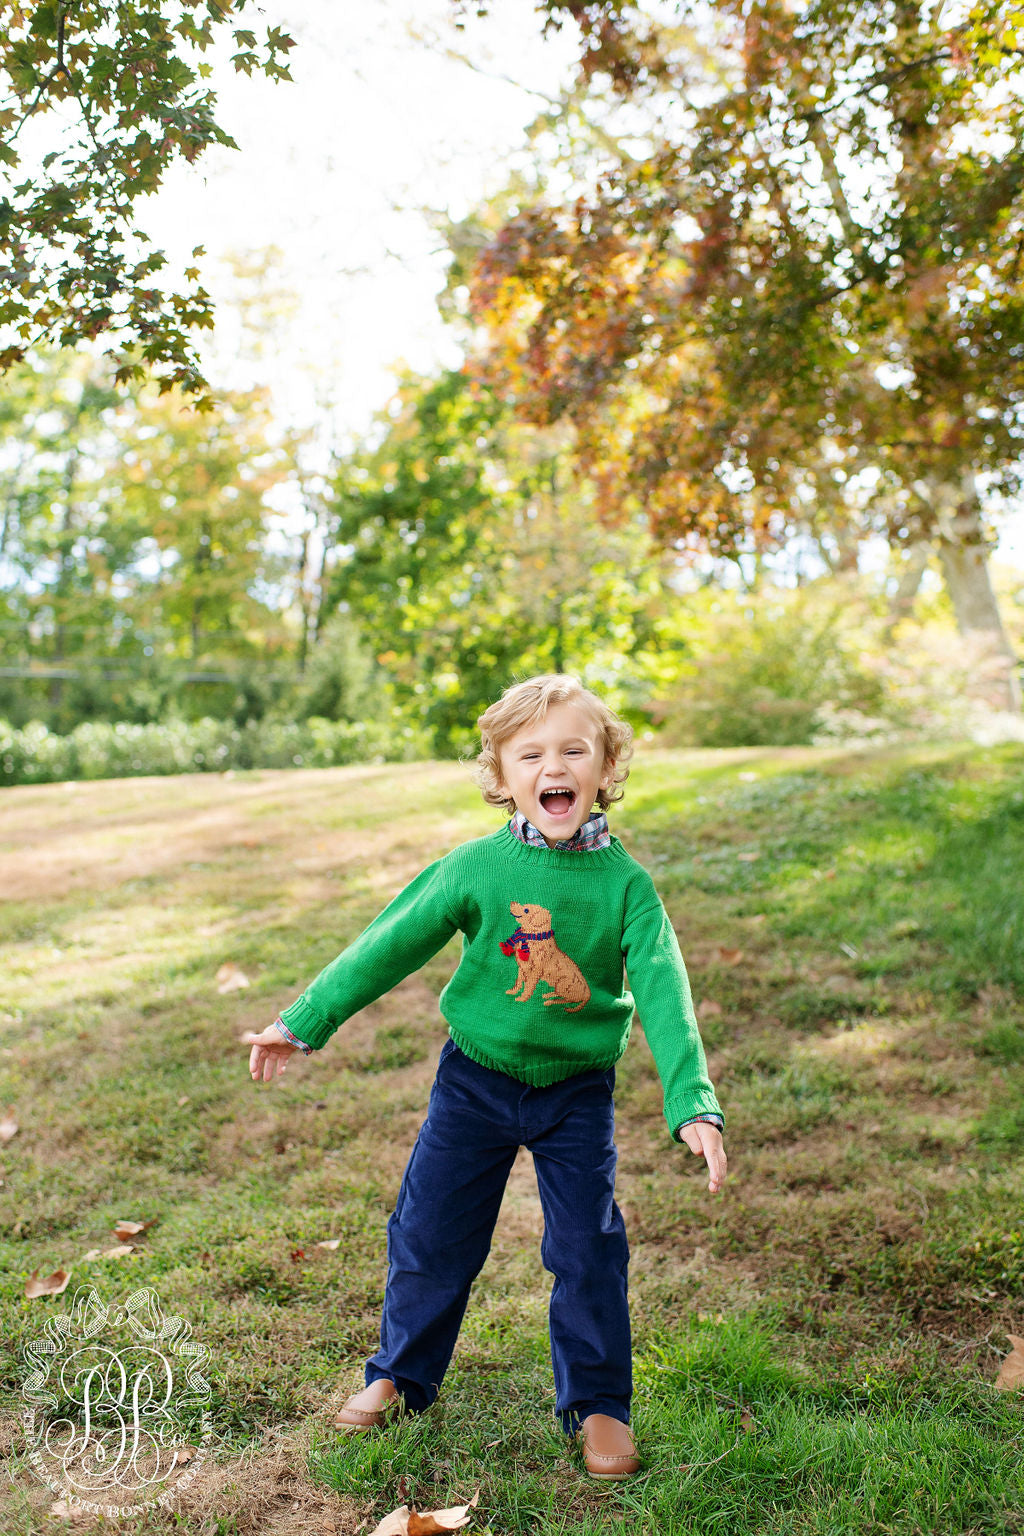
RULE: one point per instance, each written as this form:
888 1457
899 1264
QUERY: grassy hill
814 1348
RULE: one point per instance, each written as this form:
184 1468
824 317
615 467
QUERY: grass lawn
814 1348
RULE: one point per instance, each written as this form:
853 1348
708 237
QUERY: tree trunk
902 601
963 554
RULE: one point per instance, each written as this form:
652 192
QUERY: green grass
814 1349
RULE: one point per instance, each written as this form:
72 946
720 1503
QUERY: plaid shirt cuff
307 1050
710 1119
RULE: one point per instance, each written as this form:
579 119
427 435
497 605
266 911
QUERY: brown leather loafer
608 1447
375 1405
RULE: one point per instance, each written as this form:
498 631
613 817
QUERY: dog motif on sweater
540 959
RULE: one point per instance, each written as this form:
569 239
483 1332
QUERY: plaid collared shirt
593 834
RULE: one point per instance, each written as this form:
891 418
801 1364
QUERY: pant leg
440 1232
586 1249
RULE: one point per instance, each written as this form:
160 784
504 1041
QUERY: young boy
549 907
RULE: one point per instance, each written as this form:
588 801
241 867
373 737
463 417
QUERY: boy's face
562 752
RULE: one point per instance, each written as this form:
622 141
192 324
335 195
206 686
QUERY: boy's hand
705 1140
269 1055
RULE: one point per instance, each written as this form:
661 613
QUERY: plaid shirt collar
593 834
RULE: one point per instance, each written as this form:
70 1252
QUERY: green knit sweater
539 991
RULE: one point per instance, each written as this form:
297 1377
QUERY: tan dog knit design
540 959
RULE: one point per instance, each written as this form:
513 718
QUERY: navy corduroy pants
440 1232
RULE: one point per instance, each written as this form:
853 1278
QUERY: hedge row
101 750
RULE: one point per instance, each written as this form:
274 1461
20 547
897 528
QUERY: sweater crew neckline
561 860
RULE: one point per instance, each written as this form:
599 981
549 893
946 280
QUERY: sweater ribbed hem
306 1024
685 1108
541 1075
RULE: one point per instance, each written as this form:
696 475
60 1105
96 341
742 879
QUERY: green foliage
795 301
104 751
761 665
128 100
469 558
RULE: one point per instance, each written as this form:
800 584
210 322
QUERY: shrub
100 750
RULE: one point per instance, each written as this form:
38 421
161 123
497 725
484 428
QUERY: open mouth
558 802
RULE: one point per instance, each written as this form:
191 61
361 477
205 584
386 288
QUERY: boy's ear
609 772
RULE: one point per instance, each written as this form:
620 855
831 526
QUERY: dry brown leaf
747 858
436 1520
183 1101
406 1521
184 1453
747 1421
51 1286
231 978
8 1125
126 1229
1011 1372
729 956
328 1242
707 1008
119 1252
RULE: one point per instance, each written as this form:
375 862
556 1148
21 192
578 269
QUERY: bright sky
333 169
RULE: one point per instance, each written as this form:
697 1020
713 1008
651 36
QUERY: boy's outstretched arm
705 1140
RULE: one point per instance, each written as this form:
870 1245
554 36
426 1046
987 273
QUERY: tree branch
60 68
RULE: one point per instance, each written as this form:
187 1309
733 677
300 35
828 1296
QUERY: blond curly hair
524 703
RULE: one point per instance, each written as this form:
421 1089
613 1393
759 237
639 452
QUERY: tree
138 567
467 557
76 264
801 287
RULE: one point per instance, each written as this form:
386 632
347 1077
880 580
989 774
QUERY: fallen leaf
747 858
747 1421
120 1252
51 1286
183 1101
829 874
435 1520
231 978
8 1125
707 1008
406 1521
297 1254
729 956
1011 1372
126 1229
184 1453
329 1242
758 917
